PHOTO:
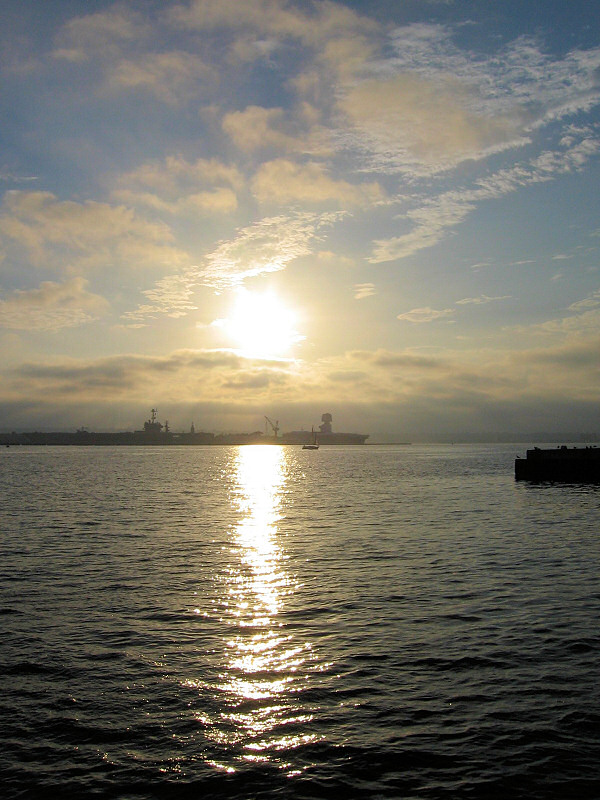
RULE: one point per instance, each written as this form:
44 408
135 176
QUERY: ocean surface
267 622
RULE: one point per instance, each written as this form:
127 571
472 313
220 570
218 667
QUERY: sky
384 210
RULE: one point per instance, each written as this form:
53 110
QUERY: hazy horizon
383 210
431 435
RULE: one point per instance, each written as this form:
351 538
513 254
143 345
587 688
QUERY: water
257 622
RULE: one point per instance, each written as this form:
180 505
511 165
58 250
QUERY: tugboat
563 464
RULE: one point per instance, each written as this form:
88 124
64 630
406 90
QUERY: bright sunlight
261 325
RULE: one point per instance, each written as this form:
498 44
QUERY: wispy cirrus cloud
580 319
482 299
171 296
265 247
433 105
439 214
362 290
592 301
425 314
410 124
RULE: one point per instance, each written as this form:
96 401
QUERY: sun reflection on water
265 668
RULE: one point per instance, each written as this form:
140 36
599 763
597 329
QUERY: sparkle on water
262 670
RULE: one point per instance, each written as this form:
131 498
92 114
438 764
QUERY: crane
274 426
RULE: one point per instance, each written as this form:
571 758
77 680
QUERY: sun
261 325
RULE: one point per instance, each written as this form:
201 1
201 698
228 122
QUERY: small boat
314 444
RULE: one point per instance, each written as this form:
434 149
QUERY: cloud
580 322
329 260
437 215
575 355
69 236
519 73
274 18
425 124
122 42
171 77
481 300
431 223
175 174
177 186
388 358
263 15
260 379
268 246
256 127
51 306
14 177
209 203
101 34
394 391
296 130
592 301
362 290
286 183
180 376
425 314
485 381
171 295
430 106
347 55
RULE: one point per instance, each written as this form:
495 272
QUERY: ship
153 433
561 464
156 433
326 435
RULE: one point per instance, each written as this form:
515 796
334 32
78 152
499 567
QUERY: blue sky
384 210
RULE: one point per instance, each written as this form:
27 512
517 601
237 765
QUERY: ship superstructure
326 435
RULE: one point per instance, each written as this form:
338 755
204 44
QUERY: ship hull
306 437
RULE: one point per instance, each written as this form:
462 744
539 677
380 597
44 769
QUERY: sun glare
261 326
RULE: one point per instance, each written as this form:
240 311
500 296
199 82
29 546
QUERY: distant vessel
326 435
313 445
563 464
155 433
